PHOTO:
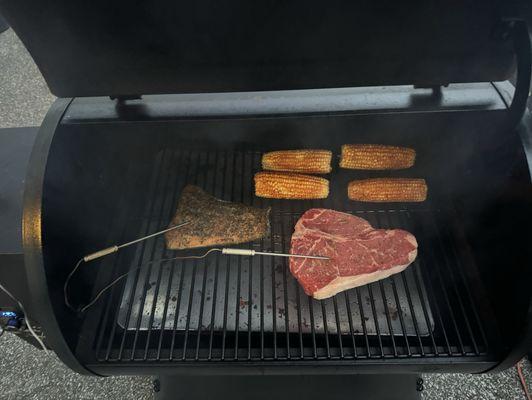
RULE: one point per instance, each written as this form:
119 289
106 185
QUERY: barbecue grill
152 97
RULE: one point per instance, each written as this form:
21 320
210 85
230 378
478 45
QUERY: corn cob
286 185
306 161
376 157
388 190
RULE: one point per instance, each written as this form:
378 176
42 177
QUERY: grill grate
228 308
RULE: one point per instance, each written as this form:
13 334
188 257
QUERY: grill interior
226 308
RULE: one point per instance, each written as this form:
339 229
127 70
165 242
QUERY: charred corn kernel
287 185
376 156
305 161
388 190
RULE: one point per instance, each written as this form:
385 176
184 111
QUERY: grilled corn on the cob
305 161
376 157
286 185
388 190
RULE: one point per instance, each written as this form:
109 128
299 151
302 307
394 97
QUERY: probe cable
104 252
110 285
28 322
225 251
522 379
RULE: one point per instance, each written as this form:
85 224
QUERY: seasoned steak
359 254
214 222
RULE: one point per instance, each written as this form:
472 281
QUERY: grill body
102 174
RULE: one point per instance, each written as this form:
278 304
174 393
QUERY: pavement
26 373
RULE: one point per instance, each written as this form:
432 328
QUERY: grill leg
313 387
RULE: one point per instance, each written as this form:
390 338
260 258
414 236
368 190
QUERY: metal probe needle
248 252
114 249
262 253
153 234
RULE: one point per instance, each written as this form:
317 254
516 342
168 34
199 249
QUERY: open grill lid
102 47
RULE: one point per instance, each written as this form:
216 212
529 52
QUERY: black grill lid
105 47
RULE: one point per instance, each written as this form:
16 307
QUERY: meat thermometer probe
226 251
249 252
114 249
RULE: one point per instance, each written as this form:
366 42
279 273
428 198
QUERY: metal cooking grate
234 308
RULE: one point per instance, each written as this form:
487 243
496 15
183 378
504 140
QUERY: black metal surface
374 387
15 149
465 97
200 311
523 343
119 48
41 302
523 51
3 24
105 205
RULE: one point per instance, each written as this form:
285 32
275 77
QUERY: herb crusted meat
214 222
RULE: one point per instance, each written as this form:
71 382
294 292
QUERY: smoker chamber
250 311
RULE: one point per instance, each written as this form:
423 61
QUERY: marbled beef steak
359 254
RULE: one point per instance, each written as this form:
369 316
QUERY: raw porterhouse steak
359 254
